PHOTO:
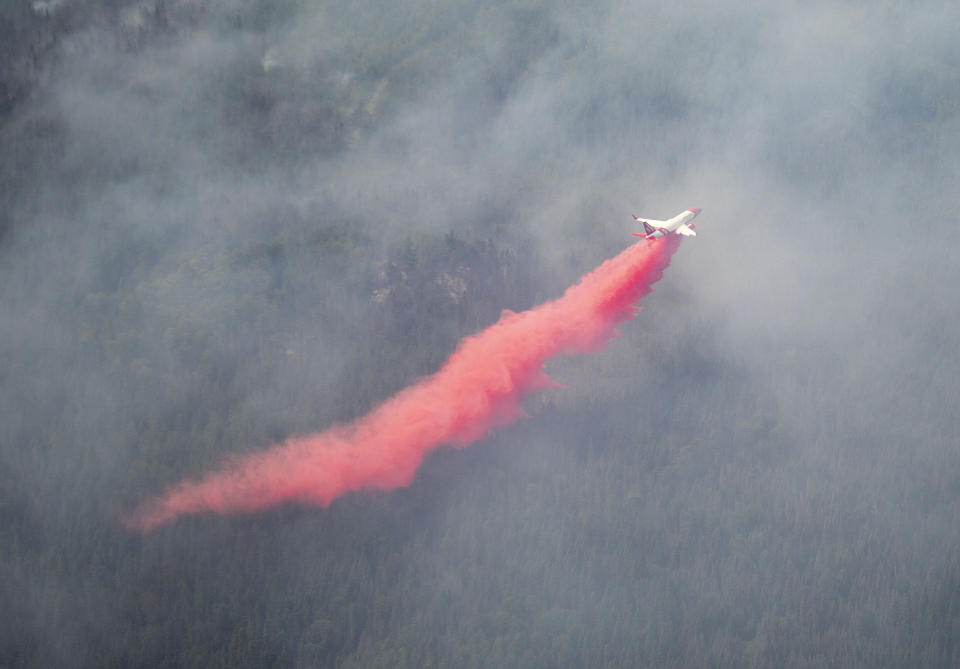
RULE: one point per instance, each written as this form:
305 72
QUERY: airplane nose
695 210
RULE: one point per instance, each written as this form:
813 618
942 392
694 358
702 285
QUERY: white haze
821 140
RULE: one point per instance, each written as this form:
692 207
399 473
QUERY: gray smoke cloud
154 152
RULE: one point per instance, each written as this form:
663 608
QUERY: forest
223 224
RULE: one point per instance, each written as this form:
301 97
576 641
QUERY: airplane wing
686 231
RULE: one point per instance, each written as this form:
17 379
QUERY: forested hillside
226 223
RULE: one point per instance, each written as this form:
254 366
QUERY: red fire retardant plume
478 388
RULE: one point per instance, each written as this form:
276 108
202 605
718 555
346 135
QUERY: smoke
478 388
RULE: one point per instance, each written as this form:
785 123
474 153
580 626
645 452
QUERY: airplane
680 224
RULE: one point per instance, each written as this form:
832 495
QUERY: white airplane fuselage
680 224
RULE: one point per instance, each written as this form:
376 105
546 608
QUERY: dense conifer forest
226 223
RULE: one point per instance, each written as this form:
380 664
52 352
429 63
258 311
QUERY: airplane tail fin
649 229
